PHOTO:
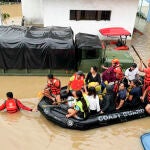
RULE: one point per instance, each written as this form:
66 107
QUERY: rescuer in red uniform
13 105
147 74
52 90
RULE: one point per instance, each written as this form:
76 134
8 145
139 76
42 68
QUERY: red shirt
19 106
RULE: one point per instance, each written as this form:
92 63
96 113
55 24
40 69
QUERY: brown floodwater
30 130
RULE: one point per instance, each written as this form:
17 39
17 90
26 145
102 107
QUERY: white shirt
131 74
93 102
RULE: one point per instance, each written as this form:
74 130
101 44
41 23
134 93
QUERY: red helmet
115 61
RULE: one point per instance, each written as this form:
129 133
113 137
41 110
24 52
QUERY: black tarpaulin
88 46
36 48
87 41
12 47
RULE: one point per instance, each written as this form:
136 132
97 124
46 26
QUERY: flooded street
31 131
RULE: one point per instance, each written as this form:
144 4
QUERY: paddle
44 106
138 56
40 94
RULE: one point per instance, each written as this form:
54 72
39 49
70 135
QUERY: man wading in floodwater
13 105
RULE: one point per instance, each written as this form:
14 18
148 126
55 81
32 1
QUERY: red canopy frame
116 31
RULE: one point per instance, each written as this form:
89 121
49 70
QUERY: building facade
86 16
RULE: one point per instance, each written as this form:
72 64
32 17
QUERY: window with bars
90 15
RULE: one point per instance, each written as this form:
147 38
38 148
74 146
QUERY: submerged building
81 15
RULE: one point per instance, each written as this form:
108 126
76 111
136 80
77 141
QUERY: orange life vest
11 105
77 84
147 75
119 73
55 86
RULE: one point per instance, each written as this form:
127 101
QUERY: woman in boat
121 96
146 99
93 77
108 102
93 100
81 109
133 99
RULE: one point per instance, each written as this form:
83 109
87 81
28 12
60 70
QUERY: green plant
5 16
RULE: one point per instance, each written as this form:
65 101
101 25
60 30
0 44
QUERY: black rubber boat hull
57 115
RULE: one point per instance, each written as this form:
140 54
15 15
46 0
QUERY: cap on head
79 72
115 61
134 65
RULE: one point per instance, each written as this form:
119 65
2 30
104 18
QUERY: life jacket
11 105
119 73
148 94
54 86
116 88
94 84
77 84
147 77
81 111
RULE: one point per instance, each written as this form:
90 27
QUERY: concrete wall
33 11
56 12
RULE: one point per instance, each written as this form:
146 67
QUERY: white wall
33 11
56 12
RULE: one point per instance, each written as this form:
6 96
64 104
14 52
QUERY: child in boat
146 99
13 105
121 96
93 100
81 109
52 90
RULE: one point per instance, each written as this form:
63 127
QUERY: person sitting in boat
77 82
108 102
81 109
146 99
93 100
133 100
113 73
132 72
52 90
93 78
121 96
147 74
13 105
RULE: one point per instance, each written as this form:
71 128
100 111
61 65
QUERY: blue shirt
122 94
136 92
